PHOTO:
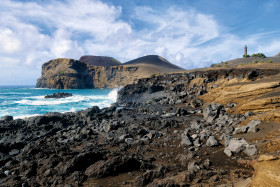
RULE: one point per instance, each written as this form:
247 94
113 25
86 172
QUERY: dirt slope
154 60
99 60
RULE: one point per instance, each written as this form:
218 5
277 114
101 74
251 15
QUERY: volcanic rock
58 95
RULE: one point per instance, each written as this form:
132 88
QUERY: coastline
162 135
22 102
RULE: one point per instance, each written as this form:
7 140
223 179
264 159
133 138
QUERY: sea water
26 101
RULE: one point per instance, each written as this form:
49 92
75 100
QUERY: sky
188 33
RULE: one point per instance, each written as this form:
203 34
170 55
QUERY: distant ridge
154 60
99 60
248 60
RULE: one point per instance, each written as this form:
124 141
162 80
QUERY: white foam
72 110
25 116
40 100
113 95
29 104
36 97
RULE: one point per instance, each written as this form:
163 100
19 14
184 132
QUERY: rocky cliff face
72 74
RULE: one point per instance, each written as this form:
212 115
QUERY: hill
246 61
154 60
99 60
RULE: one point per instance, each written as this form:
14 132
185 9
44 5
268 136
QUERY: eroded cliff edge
72 74
65 73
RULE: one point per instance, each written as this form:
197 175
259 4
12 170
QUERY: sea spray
113 95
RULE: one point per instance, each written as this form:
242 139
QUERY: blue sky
189 33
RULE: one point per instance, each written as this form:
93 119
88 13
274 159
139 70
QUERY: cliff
72 74
64 73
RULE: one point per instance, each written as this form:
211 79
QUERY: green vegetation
213 65
256 62
62 72
246 56
116 61
260 55
154 75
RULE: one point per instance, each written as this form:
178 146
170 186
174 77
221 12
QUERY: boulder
252 125
251 150
235 146
195 124
109 126
240 130
7 173
193 166
211 112
186 140
197 142
212 141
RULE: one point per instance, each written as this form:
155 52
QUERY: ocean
27 101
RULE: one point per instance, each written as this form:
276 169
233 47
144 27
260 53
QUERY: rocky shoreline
157 134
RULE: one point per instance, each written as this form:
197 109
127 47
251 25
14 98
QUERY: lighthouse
245 51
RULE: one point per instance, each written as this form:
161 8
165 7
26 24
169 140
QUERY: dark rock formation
156 137
58 95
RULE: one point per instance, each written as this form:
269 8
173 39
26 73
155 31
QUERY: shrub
261 55
270 61
246 56
153 75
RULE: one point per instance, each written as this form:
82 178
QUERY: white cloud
32 33
10 43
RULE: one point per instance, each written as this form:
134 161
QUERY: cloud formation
32 33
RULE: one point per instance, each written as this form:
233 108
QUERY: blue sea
26 101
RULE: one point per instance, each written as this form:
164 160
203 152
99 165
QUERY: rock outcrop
58 95
73 74
64 73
